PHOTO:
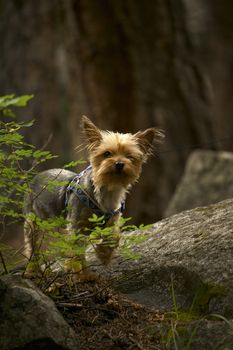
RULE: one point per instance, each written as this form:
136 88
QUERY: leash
84 197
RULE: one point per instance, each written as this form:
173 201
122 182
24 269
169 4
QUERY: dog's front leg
31 249
109 244
76 263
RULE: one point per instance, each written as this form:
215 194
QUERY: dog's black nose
119 166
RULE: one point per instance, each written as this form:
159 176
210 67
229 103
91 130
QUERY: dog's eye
107 154
130 157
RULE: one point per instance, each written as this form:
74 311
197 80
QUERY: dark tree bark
128 65
32 62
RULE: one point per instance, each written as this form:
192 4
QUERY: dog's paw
85 276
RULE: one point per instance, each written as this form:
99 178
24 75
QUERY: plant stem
3 263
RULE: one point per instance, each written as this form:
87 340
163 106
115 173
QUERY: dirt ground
106 320
102 318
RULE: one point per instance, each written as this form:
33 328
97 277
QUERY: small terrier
115 165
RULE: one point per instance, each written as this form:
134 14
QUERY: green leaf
10 100
74 163
43 156
22 101
24 153
8 113
4 100
27 124
11 138
97 219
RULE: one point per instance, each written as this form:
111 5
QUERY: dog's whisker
80 148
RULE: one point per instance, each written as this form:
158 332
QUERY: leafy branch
15 176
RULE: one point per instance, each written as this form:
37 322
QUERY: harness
84 197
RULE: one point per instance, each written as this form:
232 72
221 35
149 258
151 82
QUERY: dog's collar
84 197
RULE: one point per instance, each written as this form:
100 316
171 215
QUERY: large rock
207 179
190 252
186 267
29 320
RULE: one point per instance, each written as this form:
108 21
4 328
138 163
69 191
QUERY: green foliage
10 101
18 164
15 154
73 163
100 232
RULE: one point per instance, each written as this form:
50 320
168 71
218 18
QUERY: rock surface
30 320
189 253
207 180
211 335
186 268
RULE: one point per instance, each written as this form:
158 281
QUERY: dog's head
117 158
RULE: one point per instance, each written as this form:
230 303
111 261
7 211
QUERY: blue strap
86 199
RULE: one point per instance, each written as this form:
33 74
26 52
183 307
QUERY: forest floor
106 320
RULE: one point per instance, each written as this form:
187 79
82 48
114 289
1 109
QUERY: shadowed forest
127 65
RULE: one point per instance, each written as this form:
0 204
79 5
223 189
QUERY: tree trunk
127 65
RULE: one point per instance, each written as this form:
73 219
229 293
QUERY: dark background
128 65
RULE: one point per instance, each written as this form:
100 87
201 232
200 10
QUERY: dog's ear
147 138
92 134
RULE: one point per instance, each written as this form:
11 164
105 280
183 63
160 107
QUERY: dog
116 161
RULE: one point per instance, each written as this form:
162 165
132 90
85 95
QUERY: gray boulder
185 265
190 252
207 179
29 319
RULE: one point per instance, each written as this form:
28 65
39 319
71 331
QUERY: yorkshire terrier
115 165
